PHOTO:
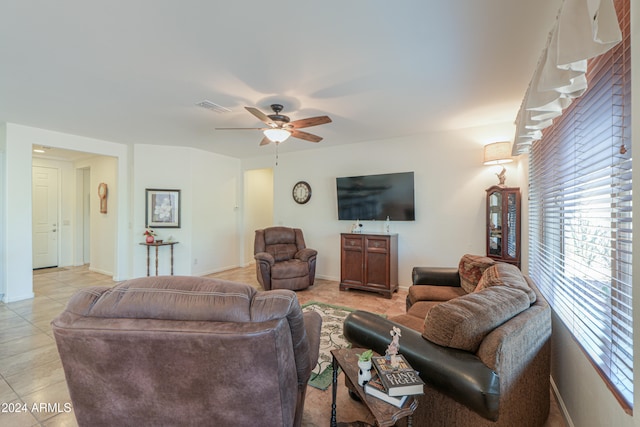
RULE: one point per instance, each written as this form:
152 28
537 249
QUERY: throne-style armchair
185 350
282 259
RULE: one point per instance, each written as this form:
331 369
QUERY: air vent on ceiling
213 106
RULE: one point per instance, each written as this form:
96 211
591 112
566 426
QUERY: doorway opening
258 202
73 226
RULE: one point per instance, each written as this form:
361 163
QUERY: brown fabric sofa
282 259
479 336
186 351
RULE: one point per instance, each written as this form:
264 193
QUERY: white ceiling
132 71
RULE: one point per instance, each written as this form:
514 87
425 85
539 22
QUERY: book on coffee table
375 388
398 381
382 364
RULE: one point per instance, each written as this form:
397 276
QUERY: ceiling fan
280 127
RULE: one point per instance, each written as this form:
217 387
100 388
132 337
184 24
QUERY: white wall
215 213
17 200
165 168
103 230
208 234
3 223
450 183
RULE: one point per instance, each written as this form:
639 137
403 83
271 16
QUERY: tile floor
31 375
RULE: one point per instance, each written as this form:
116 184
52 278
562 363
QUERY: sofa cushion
463 323
408 320
280 242
503 274
289 269
168 298
434 293
283 251
471 268
421 309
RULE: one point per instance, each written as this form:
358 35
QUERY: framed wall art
162 208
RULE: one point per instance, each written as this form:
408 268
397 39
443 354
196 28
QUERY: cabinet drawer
352 242
377 244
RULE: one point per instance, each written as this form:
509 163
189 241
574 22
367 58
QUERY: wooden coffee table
384 413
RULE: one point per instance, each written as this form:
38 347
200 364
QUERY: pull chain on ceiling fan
280 127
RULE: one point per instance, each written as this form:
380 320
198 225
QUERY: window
580 215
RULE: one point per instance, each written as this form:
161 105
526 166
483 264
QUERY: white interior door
86 215
45 217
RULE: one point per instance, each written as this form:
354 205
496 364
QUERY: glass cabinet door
503 224
512 225
495 224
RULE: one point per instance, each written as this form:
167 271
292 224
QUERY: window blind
580 215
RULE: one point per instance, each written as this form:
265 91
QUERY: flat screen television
376 197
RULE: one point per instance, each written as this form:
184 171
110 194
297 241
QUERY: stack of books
393 385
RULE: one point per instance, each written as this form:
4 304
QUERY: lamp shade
497 153
277 135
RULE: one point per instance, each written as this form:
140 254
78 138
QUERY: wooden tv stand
369 262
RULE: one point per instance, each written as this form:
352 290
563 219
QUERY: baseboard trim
337 279
105 272
561 405
28 295
323 277
216 270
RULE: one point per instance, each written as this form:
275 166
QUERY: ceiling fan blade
265 141
259 114
241 128
311 121
305 135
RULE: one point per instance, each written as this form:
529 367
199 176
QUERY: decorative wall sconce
498 153
103 191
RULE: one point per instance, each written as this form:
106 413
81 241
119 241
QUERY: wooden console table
369 262
384 413
156 244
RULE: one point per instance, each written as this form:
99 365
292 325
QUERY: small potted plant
150 234
364 363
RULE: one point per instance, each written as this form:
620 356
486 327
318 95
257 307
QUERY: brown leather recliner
176 351
282 259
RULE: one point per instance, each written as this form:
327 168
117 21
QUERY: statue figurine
502 176
394 347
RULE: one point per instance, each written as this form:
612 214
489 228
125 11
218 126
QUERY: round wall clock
301 192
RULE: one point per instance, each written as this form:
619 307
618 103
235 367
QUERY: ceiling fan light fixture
277 135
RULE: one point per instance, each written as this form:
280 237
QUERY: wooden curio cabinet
369 262
503 224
